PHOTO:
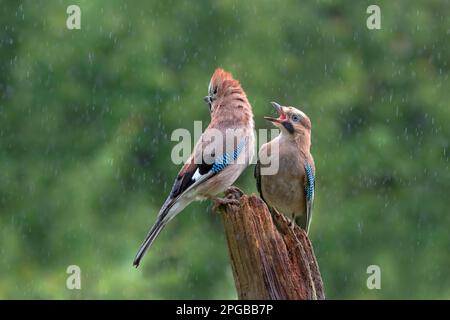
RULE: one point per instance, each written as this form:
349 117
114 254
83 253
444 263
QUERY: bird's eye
215 91
295 118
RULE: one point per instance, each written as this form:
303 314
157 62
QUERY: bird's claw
219 202
233 191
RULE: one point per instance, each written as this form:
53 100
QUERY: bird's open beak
281 114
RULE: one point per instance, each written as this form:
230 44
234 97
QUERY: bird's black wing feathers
185 178
192 172
257 174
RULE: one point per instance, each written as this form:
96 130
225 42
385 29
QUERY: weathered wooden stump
270 260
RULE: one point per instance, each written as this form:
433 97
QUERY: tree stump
270 260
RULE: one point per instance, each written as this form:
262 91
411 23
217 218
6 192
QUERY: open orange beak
281 115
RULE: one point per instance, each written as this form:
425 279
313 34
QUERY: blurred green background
86 117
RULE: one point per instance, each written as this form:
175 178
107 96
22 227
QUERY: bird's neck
234 111
301 140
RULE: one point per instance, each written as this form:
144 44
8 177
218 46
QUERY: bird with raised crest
289 187
221 154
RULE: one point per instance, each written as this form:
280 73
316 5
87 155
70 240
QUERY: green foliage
86 117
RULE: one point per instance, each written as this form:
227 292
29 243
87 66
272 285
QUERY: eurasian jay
289 189
222 152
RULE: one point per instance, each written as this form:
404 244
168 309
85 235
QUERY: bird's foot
233 191
219 202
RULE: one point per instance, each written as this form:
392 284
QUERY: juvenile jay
223 151
290 189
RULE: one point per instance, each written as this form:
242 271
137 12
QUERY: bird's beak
281 114
206 99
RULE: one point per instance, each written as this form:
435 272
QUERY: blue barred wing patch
227 158
310 181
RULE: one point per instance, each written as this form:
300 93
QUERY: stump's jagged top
270 260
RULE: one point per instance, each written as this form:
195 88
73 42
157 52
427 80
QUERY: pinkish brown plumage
290 188
223 151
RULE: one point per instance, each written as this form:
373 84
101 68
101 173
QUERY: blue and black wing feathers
309 192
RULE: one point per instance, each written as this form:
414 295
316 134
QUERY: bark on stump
270 260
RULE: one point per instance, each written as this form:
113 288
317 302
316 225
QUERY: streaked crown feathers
221 80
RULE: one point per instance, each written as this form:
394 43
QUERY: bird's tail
151 236
168 211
